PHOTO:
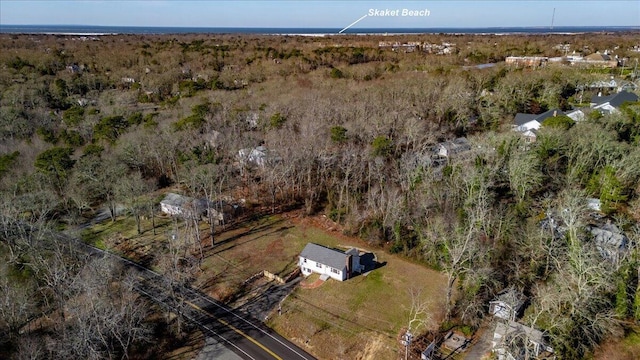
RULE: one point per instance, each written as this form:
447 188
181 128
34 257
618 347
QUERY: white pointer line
353 23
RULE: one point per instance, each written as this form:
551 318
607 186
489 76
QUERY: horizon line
326 27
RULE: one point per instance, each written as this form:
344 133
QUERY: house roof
331 257
514 328
198 205
176 200
615 100
608 235
259 155
456 146
598 57
522 118
511 297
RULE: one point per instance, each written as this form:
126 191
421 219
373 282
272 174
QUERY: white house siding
607 108
170 209
531 125
576 115
309 266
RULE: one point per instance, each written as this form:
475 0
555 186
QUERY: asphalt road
245 336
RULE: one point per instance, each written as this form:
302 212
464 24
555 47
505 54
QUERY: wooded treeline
350 131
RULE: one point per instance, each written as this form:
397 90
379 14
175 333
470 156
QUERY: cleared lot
361 318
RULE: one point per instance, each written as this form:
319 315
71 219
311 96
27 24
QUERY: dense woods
349 130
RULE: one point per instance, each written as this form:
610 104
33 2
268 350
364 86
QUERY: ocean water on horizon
105 30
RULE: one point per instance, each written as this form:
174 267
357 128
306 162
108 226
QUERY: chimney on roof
555 112
599 93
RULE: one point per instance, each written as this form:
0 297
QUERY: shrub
7 160
336 73
382 146
73 116
338 134
277 120
72 138
110 128
559 122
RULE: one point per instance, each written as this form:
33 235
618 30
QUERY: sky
321 14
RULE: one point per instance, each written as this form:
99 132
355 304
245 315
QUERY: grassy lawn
625 349
363 316
359 318
121 237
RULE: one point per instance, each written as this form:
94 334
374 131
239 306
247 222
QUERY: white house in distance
187 207
259 156
528 124
336 264
178 205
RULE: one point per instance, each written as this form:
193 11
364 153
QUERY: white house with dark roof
529 124
334 263
524 122
610 104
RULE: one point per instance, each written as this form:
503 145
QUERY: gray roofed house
188 207
449 148
178 205
532 121
610 241
610 104
512 340
259 156
507 304
527 124
522 118
337 264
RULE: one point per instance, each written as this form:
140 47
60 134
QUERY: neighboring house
597 59
610 104
337 264
526 61
627 86
73 68
259 156
512 340
529 124
604 85
507 305
530 135
449 148
524 122
219 212
178 205
576 115
610 241
187 207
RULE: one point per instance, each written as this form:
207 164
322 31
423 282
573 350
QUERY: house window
304 260
318 265
335 271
